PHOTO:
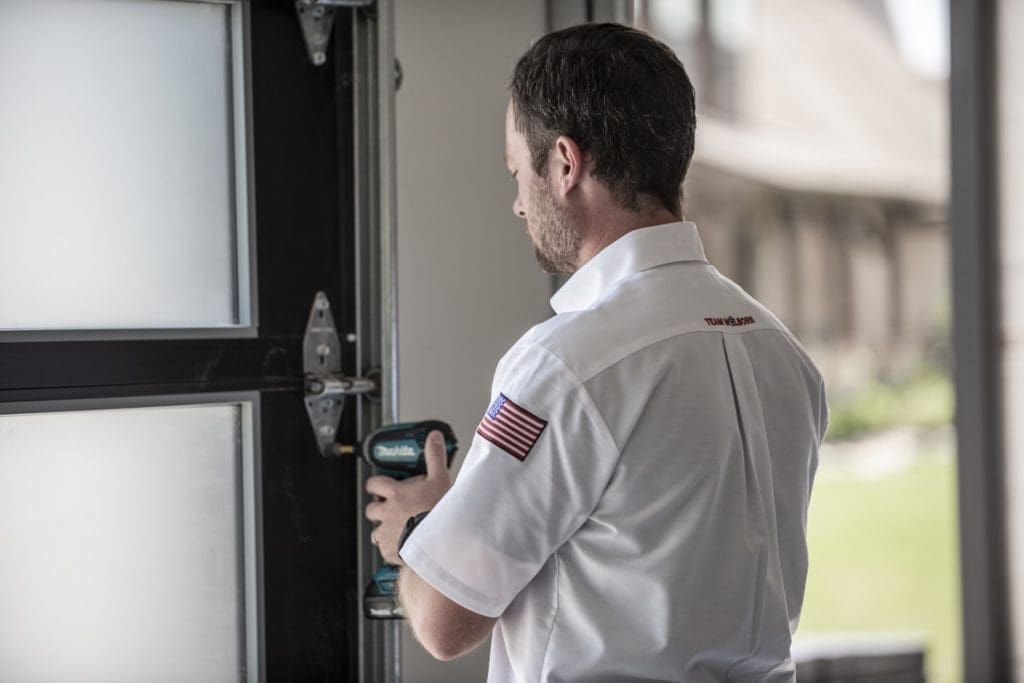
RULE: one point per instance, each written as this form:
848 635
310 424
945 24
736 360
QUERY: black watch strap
410 524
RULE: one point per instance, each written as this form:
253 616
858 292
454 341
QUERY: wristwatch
410 524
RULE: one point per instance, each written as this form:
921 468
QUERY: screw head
323 350
327 430
319 58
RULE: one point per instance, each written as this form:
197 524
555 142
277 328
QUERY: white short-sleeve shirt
633 505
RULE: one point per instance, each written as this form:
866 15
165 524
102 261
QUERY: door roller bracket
316 19
325 387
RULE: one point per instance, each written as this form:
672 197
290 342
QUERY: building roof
826 103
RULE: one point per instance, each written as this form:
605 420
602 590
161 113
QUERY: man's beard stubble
556 243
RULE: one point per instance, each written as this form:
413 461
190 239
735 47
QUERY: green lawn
884 558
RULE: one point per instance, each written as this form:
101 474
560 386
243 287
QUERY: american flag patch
510 427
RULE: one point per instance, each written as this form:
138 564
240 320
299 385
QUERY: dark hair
622 95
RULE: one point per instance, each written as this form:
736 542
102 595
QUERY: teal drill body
398 451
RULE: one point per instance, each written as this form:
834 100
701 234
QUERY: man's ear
567 165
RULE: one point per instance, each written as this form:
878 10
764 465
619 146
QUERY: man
633 504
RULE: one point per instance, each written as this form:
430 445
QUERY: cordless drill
398 451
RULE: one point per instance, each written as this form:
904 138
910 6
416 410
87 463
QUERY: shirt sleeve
520 494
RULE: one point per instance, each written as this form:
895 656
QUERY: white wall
468 282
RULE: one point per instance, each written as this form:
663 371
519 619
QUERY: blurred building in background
819 180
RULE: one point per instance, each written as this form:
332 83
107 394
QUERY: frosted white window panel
122 544
123 200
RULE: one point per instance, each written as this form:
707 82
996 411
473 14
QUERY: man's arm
444 628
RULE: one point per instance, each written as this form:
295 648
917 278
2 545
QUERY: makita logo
730 321
396 452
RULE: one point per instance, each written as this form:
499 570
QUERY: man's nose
517 208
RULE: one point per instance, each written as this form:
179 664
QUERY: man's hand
397 501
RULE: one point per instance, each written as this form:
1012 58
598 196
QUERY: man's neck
614 224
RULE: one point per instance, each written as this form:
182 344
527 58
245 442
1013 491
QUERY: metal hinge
326 387
316 19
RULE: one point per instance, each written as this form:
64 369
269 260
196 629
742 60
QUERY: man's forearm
444 628
410 595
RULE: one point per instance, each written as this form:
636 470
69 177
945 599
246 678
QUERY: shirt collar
635 251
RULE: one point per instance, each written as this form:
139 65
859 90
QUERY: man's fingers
381 486
436 455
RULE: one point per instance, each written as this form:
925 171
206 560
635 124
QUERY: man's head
601 119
